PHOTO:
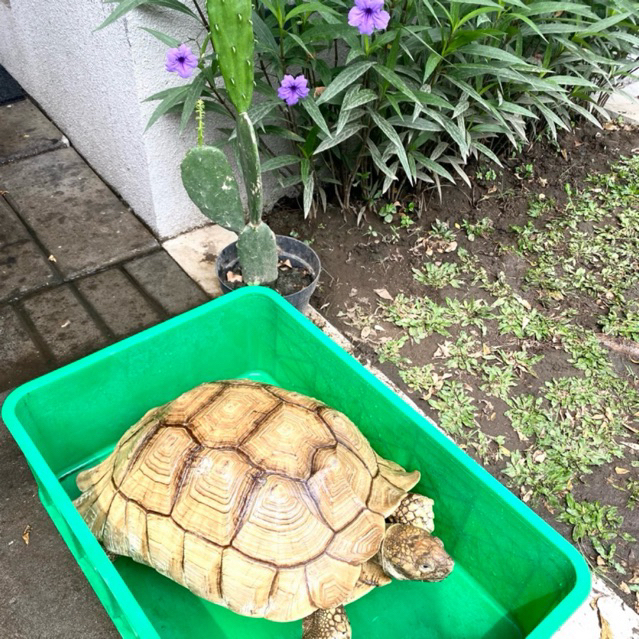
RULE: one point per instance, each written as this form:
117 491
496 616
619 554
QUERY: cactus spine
206 173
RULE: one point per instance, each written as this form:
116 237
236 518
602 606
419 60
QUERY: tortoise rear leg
416 510
331 623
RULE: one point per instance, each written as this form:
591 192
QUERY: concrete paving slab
119 303
23 268
625 101
73 213
166 282
26 131
196 251
43 592
11 229
20 358
64 324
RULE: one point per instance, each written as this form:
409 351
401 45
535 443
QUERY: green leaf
344 79
279 162
192 96
281 132
396 81
123 8
496 54
343 135
127 5
260 110
487 152
310 7
539 8
394 138
433 166
603 25
263 34
309 185
356 97
574 80
160 95
421 124
162 37
168 102
378 161
315 114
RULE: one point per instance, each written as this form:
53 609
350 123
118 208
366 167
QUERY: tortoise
264 501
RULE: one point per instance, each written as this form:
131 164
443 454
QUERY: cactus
231 27
208 179
250 161
207 174
256 249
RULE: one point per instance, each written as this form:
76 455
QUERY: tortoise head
411 553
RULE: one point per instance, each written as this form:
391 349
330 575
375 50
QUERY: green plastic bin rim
95 554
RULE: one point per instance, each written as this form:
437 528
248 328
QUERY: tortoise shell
256 498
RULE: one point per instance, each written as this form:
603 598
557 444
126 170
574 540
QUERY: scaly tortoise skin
255 498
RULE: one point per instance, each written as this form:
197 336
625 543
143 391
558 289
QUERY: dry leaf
318 91
564 154
492 189
67 323
384 294
26 534
606 632
623 586
353 292
233 277
610 126
51 258
539 456
542 182
366 331
621 471
601 561
286 263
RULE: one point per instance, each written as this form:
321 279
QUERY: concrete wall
91 84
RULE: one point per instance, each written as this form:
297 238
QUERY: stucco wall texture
92 85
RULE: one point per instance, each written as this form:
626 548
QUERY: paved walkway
78 271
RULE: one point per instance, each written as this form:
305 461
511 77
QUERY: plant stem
202 16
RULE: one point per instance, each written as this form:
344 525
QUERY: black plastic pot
300 255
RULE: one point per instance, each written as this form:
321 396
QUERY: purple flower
368 15
181 60
292 90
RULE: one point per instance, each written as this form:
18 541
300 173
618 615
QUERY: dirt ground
371 289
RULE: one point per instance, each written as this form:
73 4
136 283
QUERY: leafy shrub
445 82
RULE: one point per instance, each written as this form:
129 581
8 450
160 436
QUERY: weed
456 407
438 275
389 351
590 518
482 228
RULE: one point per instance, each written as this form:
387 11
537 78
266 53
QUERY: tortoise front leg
415 510
331 623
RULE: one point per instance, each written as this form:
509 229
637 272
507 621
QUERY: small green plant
438 275
456 407
591 519
525 171
387 212
406 221
486 175
477 229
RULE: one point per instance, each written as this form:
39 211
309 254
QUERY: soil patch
459 303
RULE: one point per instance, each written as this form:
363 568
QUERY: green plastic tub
514 576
